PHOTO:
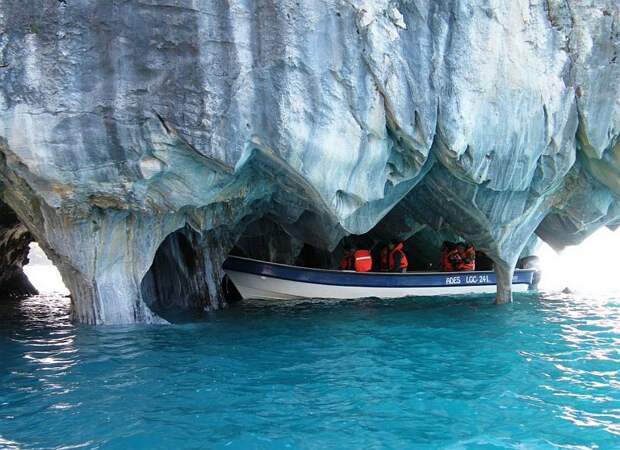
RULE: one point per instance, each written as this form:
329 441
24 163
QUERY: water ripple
457 373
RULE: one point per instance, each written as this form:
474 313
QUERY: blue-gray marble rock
124 122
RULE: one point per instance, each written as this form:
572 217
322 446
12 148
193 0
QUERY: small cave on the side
176 287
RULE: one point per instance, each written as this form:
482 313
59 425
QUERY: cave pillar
503 275
124 247
102 259
101 254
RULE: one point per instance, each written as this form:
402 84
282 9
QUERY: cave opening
176 287
42 273
267 240
186 276
26 270
421 244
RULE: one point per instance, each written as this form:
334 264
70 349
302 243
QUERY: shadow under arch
176 287
14 247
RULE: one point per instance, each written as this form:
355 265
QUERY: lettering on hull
468 279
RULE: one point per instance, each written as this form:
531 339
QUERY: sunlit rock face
14 241
122 123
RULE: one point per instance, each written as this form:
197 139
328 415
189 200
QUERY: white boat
264 280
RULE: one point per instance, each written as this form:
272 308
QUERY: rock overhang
123 124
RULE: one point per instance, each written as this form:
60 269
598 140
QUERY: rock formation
14 248
141 141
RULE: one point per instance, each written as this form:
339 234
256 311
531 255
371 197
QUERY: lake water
543 372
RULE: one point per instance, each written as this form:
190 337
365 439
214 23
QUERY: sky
593 267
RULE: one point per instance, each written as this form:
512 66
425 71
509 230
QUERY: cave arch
176 285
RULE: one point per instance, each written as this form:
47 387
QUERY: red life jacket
468 259
398 248
383 261
362 261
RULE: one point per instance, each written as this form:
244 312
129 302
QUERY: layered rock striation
142 141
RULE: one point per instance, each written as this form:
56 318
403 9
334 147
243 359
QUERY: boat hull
260 280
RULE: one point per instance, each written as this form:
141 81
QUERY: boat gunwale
351 272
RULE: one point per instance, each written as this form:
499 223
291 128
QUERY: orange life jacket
383 259
468 258
362 261
398 248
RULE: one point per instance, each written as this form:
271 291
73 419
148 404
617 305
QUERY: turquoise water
540 373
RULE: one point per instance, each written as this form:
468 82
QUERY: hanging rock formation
151 137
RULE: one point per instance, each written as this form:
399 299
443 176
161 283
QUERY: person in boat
397 260
384 254
467 254
450 257
346 262
359 260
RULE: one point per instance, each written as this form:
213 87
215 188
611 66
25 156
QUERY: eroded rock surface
122 123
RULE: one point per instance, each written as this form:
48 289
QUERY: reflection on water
541 372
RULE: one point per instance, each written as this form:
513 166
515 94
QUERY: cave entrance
422 242
24 268
176 287
267 240
184 279
42 272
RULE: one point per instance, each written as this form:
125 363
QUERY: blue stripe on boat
370 279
